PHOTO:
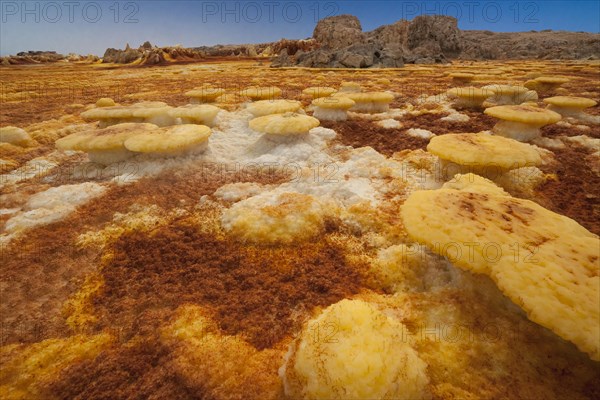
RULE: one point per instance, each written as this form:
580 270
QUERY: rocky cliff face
486 45
393 35
428 39
437 32
338 32
342 43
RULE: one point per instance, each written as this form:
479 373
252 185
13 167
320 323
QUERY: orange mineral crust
359 133
252 291
45 267
575 192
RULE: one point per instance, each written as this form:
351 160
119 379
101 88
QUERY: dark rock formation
435 34
126 56
392 36
291 46
338 32
429 39
548 44
355 56
281 60
342 43
32 57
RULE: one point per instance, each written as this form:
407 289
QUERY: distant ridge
339 41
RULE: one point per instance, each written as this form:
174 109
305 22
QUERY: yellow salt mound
285 218
521 122
350 87
15 136
203 114
544 262
267 107
107 145
374 97
105 102
261 93
483 154
341 102
569 106
284 124
205 94
154 112
319 91
474 183
177 140
462 76
469 97
353 351
524 114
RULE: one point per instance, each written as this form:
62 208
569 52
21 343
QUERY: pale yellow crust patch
353 351
480 149
267 107
284 124
546 263
168 140
524 114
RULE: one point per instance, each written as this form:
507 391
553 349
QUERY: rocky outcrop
146 46
90 58
49 54
342 43
356 56
293 46
165 55
42 57
232 50
391 36
147 54
271 49
435 34
339 42
429 39
117 56
339 32
486 45
281 60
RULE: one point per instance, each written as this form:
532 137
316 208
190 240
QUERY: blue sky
92 26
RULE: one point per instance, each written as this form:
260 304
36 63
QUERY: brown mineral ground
359 133
576 191
362 132
252 291
143 370
555 130
42 269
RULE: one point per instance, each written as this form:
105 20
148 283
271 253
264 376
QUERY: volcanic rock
434 32
338 32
